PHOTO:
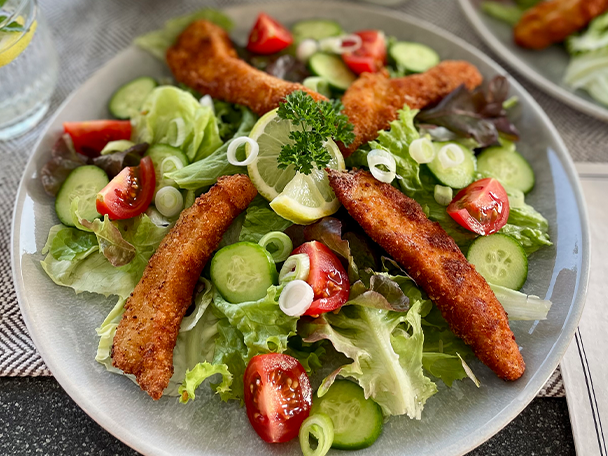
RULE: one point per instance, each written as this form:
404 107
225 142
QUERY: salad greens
172 116
74 258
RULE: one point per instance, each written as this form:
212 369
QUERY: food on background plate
582 25
289 289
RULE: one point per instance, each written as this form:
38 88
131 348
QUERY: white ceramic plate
455 421
544 68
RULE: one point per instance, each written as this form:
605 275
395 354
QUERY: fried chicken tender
373 100
204 59
553 21
146 336
435 262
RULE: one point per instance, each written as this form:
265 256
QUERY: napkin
584 368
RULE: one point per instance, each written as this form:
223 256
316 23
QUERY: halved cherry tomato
327 278
268 36
90 137
277 396
371 56
129 193
482 207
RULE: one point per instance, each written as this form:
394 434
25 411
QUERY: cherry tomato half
482 207
90 137
277 396
327 278
268 36
129 193
371 56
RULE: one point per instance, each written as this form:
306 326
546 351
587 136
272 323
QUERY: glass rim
28 23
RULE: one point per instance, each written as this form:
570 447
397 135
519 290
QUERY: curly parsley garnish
319 120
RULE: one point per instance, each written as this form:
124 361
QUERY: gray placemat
88 33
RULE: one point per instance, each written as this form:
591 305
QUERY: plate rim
570 98
493 426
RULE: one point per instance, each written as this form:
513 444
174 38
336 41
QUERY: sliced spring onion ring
207 101
306 49
296 298
422 150
170 164
341 44
278 244
180 133
169 201
296 267
252 155
443 195
379 157
322 428
450 155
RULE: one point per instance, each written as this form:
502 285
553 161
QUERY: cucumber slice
158 153
357 421
315 29
458 176
414 57
243 272
84 182
129 98
500 259
331 68
508 166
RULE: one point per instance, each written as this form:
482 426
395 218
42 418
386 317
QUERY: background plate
62 324
544 68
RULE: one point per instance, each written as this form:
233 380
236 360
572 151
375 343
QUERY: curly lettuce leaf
173 116
205 172
259 220
264 326
73 258
386 349
158 42
111 243
199 374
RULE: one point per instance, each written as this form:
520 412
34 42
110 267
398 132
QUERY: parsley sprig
319 120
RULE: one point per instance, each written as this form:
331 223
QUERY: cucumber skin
477 244
115 100
435 164
334 83
376 416
62 201
218 279
520 161
299 29
396 56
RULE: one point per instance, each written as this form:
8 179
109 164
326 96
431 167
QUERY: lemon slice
297 197
14 43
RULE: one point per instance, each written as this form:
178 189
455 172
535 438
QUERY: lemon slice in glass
14 43
297 197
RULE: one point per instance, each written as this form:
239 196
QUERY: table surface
38 417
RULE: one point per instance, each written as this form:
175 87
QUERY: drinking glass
28 67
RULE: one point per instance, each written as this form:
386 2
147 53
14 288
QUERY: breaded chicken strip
553 21
204 59
431 257
146 336
373 100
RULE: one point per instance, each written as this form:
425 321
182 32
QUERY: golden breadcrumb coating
432 258
146 336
